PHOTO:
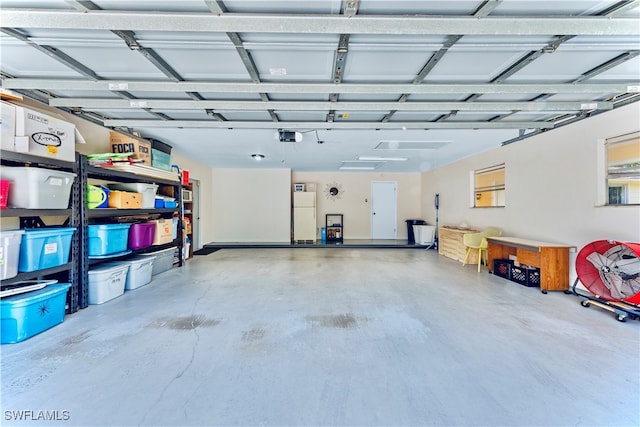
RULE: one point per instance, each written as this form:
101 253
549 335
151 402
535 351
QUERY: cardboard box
8 125
42 135
123 144
163 231
125 200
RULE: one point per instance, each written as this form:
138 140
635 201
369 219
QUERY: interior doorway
384 207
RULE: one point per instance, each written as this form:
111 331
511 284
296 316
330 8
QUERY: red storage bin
141 235
4 193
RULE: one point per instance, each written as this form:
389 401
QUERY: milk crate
525 276
502 268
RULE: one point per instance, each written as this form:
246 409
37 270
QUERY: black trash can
411 238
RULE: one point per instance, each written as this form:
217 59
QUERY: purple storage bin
141 235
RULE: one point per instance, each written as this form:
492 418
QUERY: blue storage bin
107 239
170 204
28 314
45 248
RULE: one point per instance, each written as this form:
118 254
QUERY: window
489 186
623 169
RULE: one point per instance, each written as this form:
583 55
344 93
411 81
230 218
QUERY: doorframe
195 215
395 207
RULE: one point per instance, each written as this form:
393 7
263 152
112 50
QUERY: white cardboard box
42 135
8 125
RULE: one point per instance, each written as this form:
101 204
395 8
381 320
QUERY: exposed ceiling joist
317 24
324 125
324 105
320 88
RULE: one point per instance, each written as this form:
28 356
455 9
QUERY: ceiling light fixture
410 145
257 157
382 159
357 168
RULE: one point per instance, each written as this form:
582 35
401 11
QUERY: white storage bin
424 234
163 260
148 191
174 230
140 269
107 282
38 188
9 253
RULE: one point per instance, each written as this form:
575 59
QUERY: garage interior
255 97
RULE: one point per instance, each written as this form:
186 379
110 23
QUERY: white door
383 210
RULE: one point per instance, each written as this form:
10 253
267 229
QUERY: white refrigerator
304 216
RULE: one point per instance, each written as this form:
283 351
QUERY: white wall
355 202
203 174
250 205
551 186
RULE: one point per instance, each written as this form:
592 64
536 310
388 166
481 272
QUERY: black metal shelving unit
32 218
334 224
89 216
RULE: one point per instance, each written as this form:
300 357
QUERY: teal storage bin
28 314
44 248
160 159
108 239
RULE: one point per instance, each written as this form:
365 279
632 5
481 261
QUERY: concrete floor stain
184 323
255 334
78 338
340 321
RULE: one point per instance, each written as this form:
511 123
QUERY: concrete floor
329 337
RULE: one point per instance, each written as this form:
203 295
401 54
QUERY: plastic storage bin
148 191
163 260
4 193
424 234
411 239
174 230
106 282
28 314
45 248
107 239
163 231
160 159
140 271
38 188
9 253
165 202
141 235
